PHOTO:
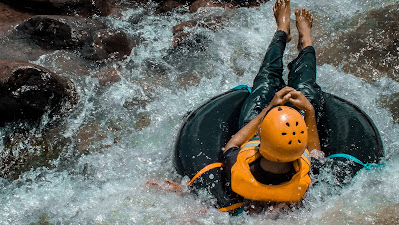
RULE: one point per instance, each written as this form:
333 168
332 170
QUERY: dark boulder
67 32
58 32
65 7
107 44
168 5
28 91
194 5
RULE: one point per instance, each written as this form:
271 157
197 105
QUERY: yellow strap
205 169
232 207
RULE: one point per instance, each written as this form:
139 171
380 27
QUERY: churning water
108 185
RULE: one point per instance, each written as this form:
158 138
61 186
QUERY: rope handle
367 166
242 86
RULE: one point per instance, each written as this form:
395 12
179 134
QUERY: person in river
268 159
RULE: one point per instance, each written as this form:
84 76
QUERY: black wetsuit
269 80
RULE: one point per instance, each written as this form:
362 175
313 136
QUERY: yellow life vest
245 184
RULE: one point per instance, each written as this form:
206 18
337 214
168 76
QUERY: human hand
300 101
282 96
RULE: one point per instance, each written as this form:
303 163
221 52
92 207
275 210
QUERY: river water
108 186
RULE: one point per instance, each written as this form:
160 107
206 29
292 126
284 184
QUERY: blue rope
242 86
240 210
367 166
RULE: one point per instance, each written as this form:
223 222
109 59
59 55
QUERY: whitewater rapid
109 186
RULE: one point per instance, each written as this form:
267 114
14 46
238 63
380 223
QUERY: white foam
109 186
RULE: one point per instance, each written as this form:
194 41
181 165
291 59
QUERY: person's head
283 135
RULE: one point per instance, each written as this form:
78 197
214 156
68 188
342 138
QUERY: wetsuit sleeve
229 159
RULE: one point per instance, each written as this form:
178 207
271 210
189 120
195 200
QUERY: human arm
250 129
301 102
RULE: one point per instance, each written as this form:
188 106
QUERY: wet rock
188 80
181 32
135 104
95 136
188 50
58 32
195 5
44 219
10 17
26 147
210 3
87 137
14 49
168 5
67 63
386 213
66 7
248 3
143 120
66 32
370 48
392 103
107 75
213 22
107 44
28 91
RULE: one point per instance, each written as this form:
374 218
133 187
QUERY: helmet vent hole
299 141
283 133
293 133
279 109
290 142
288 124
297 123
302 132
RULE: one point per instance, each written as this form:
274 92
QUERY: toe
297 12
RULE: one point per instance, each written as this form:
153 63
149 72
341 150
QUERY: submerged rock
370 48
195 6
392 103
181 33
107 75
143 121
26 148
107 44
28 91
87 136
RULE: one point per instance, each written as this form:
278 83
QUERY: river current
108 185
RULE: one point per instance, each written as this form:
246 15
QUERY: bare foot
304 20
282 11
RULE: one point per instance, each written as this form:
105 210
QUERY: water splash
109 185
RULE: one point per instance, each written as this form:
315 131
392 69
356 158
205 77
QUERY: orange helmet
283 135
